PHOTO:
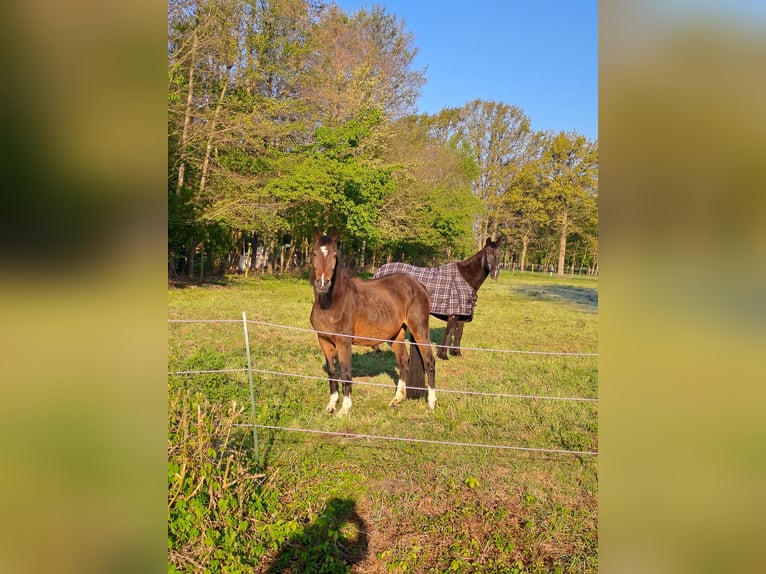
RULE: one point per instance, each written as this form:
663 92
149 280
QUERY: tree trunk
209 147
187 117
192 249
361 254
524 245
248 259
562 246
585 254
290 256
271 260
201 261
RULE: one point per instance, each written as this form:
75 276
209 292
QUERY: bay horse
348 310
453 288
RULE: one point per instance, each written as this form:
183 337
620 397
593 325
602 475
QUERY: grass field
327 503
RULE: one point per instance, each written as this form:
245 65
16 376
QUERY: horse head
491 258
324 261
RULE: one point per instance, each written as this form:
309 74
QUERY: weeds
215 499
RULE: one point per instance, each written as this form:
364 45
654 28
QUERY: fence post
250 380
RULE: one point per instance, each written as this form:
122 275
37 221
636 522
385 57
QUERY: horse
348 311
452 288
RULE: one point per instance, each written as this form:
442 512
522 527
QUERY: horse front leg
448 334
457 337
330 354
344 358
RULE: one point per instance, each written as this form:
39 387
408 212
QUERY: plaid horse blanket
450 293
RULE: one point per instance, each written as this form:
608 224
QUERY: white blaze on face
324 251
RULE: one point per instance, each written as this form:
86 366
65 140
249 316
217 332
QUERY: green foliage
285 115
331 185
216 500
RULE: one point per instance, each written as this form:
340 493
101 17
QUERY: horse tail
416 375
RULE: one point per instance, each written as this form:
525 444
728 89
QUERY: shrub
217 503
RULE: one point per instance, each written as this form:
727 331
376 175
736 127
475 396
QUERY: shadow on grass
383 361
336 540
181 282
437 333
373 363
586 296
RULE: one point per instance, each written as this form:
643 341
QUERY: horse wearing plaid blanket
452 288
350 311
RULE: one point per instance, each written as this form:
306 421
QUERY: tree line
289 114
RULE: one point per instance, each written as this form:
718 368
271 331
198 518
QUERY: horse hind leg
430 367
402 362
423 356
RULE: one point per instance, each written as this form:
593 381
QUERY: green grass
366 505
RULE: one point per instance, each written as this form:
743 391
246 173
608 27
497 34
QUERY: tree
568 171
432 210
359 62
201 52
497 134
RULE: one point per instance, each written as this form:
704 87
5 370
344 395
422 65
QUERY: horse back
375 308
393 291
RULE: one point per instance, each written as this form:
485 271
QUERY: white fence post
250 380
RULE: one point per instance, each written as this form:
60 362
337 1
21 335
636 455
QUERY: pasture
330 503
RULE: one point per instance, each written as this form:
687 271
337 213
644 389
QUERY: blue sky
541 55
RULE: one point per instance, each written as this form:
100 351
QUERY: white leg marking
333 401
431 398
346 407
401 393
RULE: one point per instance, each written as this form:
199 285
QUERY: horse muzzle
322 285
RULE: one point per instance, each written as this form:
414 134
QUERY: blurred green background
682 298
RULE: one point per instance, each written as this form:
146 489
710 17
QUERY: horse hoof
443 356
395 403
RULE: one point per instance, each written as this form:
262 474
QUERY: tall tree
569 185
433 207
497 135
363 61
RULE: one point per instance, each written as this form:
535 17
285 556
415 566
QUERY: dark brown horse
367 311
452 288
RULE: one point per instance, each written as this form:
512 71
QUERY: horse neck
473 271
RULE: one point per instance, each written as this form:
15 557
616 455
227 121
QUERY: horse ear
488 241
317 235
334 236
